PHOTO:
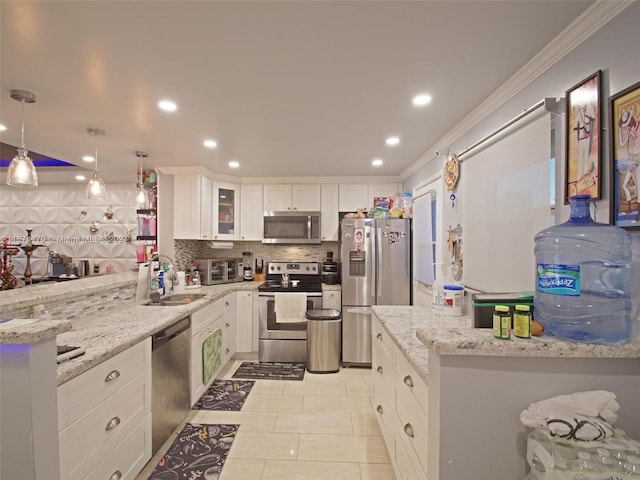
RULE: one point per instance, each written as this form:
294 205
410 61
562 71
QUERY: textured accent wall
54 213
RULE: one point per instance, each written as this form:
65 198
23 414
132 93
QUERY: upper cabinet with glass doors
226 211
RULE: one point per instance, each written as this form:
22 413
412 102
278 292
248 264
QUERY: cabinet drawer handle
379 336
408 429
408 381
113 375
226 350
117 475
379 409
113 423
226 325
226 304
379 369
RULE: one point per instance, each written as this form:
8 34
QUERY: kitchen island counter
477 386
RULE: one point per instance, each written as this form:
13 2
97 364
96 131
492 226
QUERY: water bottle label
557 279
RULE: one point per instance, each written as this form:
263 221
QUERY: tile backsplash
61 217
188 250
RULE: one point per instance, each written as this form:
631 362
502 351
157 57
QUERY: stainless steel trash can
324 329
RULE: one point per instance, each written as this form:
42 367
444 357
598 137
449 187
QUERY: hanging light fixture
96 189
22 171
141 195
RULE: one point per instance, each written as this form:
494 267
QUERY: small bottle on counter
502 322
522 321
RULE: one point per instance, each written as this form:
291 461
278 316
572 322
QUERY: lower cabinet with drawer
104 418
400 402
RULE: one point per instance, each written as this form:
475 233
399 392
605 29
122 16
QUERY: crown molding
588 23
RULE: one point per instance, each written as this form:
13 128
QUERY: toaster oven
219 270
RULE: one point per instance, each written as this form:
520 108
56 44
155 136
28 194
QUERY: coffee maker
330 270
247 261
58 264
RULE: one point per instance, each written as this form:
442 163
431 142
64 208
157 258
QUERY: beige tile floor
320 428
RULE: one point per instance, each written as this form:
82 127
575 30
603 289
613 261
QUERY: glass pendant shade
22 171
141 197
96 189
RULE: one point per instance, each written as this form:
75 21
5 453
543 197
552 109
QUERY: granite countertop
445 335
28 331
112 331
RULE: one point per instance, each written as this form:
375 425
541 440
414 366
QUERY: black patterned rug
226 395
199 452
270 371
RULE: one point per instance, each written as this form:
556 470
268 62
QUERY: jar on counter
502 322
522 321
452 301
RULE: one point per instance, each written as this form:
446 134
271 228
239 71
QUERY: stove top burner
307 274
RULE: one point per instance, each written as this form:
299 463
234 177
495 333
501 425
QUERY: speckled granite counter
413 328
31 333
108 332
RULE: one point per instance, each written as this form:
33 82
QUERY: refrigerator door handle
376 259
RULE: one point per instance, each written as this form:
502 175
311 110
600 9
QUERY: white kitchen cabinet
357 196
192 208
225 221
251 212
229 328
278 198
400 403
206 347
244 322
104 418
383 190
353 197
332 299
329 211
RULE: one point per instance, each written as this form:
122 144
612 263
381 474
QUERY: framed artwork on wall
584 146
625 158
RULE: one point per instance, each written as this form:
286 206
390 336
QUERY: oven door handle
359 310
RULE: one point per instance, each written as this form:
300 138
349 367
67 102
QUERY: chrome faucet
151 294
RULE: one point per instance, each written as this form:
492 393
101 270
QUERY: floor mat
226 395
270 371
199 452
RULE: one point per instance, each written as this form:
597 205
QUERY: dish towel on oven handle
290 307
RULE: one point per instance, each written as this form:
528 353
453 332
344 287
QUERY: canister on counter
502 322
522 321
452 304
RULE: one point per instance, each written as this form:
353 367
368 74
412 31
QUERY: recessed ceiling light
421 100
80 178
234 164
88 158
210 143
167 105
393 141
376 162
2 128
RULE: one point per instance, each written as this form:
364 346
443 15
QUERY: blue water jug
583 279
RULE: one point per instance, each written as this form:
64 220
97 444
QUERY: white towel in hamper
290 307
577 416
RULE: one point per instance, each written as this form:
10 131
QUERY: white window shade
506 195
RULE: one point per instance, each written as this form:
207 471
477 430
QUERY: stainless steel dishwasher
170 380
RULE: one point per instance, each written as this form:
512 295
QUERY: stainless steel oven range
287 341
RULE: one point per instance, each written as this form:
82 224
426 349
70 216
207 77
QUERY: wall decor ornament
624 210
583 158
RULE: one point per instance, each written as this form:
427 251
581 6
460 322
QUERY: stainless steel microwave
291 227
219 270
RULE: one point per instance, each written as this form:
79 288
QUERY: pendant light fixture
22 171
141 195
96 190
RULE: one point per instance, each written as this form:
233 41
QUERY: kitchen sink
176 299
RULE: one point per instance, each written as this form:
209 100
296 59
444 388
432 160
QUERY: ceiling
292 88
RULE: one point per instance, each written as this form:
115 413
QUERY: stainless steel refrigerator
376 270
